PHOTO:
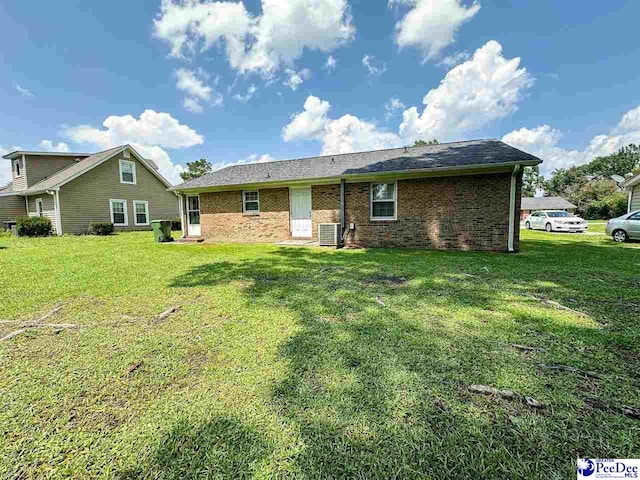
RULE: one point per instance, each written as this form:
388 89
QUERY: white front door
193 215
300 212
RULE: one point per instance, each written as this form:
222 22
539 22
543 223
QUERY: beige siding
12 206
635 198
48 207
40 167
86 198
19 183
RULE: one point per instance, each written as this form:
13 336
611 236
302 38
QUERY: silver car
625 227
555 221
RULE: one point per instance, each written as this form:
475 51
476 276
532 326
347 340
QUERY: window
127 172
39 209
635 216
141 210
383 201
251 202
119 213
17 168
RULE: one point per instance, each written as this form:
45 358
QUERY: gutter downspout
629 202
56 209
512 209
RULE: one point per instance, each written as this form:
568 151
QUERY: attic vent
125 153
333 160
328 234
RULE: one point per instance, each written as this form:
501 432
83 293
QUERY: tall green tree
624 161
531 181
424 143
196 169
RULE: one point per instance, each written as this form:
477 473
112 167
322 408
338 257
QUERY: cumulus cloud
49 146
5 166
471 95
251 43
373 66
543 141
431 25
253 158
392 107
454 59
149 134
343 135
295 79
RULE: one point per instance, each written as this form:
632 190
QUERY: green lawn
597 226
287 362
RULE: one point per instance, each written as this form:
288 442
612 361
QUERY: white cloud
295 79
259 43
24 91
343 135
543 140
430 25
196 90
373 67
149 134
192 104
49 146
253 158
246 97
455 59
471 95
393 106
310 123
331 63
5 166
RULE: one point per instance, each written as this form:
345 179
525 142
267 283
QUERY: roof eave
364 176
17 153
631 182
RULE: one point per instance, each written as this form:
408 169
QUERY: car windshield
558 214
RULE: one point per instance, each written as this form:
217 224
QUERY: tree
423 143
196 169
531 181
624 161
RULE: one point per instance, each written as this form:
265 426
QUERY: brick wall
457 213
325 205
222 220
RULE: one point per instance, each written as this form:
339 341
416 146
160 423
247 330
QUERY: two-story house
73 189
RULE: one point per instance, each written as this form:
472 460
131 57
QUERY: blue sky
254 80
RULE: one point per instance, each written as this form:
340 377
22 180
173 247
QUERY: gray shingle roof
447 155
545 203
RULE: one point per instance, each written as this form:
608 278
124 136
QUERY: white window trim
126 214
244 202
135 212
395 203
17 163
40 202
133 164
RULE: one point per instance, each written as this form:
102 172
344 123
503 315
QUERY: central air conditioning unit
329 234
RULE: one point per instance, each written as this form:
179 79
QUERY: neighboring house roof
630 182
7 190
18 153
545 203
446 156
72 171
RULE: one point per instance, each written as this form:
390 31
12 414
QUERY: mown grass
290 362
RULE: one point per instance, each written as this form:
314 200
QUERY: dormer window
17 168
127 172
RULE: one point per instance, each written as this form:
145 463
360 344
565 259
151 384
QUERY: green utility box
161 230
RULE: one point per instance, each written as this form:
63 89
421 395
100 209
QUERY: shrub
100 228
33 226
176 224
610 206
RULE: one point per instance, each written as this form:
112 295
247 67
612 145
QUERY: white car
555 221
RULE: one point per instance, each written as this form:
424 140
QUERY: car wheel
548 228
528 225
620 236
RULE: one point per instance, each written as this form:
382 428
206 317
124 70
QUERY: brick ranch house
457 196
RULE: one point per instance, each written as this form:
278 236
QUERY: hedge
100 228
33 226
